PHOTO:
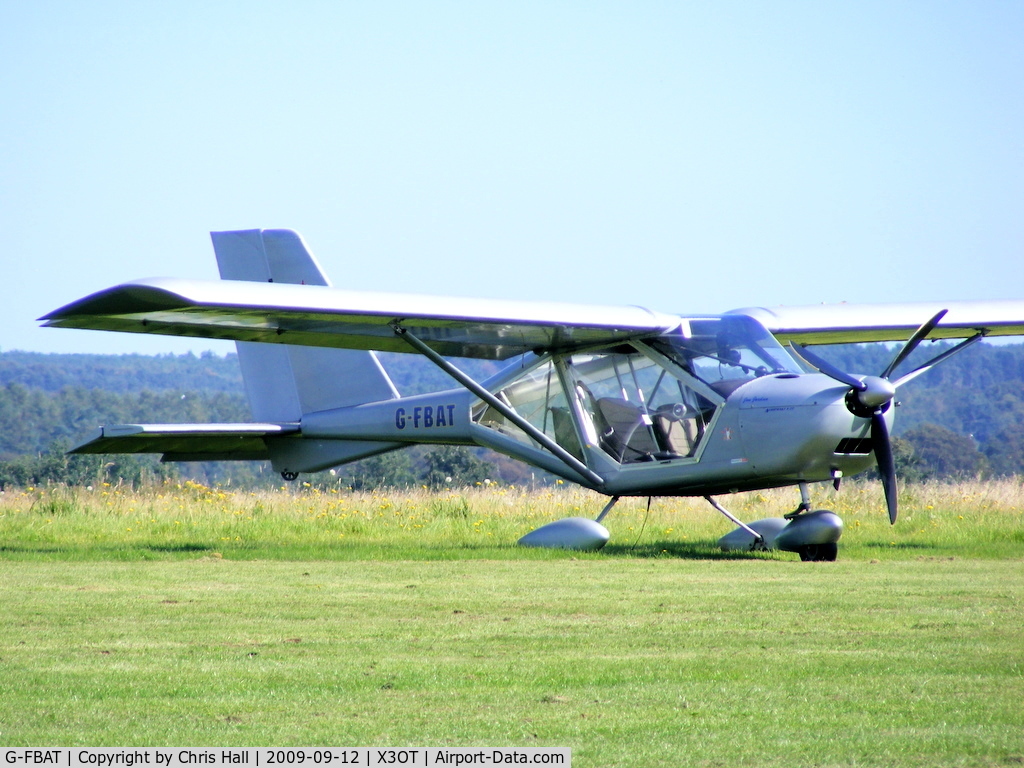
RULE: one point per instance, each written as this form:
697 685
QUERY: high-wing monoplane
623 400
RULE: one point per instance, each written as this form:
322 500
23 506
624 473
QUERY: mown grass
193 616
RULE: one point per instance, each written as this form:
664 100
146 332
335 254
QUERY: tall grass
969 519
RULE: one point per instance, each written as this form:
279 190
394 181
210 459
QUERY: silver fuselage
774 430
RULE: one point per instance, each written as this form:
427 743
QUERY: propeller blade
912 342
886 463
937 359
823 366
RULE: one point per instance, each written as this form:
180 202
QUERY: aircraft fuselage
772 431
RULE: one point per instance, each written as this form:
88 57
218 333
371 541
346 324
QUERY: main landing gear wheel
290 476
819 553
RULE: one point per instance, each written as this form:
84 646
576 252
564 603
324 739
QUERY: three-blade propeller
870 396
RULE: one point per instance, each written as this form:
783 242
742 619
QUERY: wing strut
509 413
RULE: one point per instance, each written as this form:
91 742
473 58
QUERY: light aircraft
622 400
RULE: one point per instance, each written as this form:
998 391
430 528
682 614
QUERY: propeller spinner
870 396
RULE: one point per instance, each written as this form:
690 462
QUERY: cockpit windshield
724 352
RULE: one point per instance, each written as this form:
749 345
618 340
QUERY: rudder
283 382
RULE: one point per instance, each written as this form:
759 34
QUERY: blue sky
689 157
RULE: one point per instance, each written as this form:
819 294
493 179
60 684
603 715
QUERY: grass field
192 616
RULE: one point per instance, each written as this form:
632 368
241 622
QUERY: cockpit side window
539 397
635 409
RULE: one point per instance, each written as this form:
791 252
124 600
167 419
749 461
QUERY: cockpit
642 401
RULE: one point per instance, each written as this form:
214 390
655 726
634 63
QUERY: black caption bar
263 757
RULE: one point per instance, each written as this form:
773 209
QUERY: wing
326 317
187 442
855 323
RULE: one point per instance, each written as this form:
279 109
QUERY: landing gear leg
607 508
805 502
758 542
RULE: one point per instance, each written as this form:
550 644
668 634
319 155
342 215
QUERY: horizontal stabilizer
187 442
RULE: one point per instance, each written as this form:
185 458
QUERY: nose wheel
819 553
811 534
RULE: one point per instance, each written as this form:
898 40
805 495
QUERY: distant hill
49 400
189 373
122 373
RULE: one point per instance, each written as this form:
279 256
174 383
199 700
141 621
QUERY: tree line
964 418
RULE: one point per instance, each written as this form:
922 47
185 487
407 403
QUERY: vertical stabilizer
284 382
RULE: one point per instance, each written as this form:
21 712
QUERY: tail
285 382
